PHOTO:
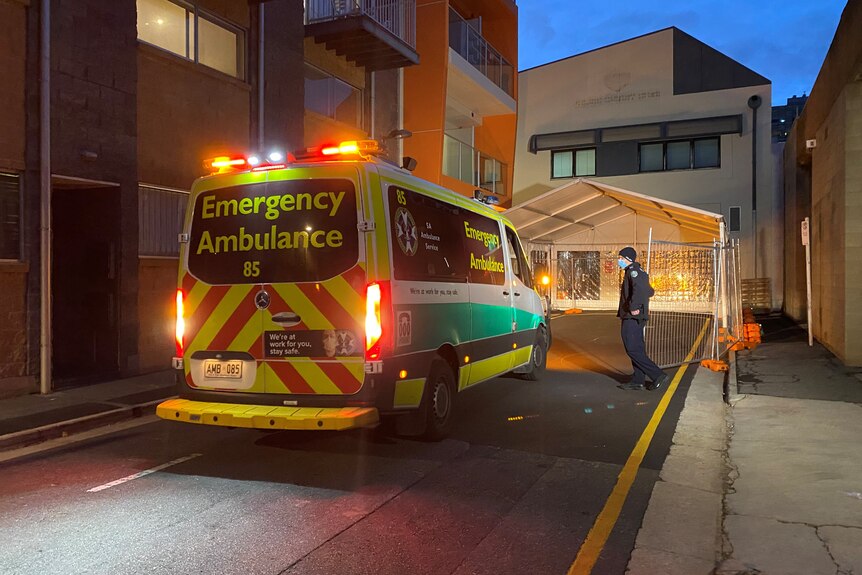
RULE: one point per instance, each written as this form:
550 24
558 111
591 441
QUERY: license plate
230 369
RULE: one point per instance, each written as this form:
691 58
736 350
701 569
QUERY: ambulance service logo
405 231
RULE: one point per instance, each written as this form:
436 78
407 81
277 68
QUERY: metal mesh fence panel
696 312
682 322
582 276
730 330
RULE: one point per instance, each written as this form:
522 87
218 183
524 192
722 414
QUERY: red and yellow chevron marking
316 377
337 303
226 318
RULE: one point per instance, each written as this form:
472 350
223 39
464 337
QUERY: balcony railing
464 162
470 44
397 16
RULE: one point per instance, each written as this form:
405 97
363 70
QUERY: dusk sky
784 41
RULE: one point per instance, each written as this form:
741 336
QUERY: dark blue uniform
635 292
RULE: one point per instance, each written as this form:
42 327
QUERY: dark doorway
84 284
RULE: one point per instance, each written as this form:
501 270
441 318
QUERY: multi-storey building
663 115
140 93
784 116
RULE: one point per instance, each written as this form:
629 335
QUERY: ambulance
332 289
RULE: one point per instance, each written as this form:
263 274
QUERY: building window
188 31
706 153
681 155
161 213
331 97
735 223
678 156
651 157
573 163
10 217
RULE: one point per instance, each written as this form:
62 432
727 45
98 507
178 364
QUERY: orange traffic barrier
574 310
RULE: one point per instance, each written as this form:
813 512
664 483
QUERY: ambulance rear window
275 232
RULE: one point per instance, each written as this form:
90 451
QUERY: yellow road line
604 524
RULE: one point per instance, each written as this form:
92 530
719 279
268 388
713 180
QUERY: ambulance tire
438 402
539 356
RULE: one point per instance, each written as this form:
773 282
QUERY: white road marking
142 473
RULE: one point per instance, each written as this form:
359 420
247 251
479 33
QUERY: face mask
622 263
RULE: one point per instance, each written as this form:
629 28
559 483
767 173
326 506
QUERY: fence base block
715 364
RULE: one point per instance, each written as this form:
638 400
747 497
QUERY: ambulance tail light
181 324
373 321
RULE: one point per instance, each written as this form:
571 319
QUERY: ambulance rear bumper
267 416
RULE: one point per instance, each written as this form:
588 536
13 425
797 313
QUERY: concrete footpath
30 419
764 475
769 484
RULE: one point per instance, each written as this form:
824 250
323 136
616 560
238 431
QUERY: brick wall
13 326
157 281
12 58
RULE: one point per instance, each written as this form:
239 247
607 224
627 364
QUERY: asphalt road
515 489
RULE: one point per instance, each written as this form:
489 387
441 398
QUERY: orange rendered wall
425 89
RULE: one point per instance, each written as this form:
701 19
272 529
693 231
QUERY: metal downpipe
45 380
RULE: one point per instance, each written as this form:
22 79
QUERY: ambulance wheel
539 356
439 401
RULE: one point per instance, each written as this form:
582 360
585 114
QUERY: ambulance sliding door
526 308
491 298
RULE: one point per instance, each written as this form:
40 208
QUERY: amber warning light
350 149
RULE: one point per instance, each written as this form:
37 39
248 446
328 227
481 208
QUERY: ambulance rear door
313 328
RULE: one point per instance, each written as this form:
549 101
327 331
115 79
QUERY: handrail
397 16
473 47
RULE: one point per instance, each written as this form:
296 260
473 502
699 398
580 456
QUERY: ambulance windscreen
274 232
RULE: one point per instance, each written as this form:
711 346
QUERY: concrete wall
853 222
826 182
157 280
633 83
797 206
827 227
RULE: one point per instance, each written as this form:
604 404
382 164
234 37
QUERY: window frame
454 241
360 124
574 152
146 231
193 13
20 246
691 143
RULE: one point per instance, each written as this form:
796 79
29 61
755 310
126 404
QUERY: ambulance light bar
276 160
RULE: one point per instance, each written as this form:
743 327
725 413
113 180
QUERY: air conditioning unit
810 144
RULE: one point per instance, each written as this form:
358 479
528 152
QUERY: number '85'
251 269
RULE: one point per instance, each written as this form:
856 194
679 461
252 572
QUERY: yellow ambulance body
329 292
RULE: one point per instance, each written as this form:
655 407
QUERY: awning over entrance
582 206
